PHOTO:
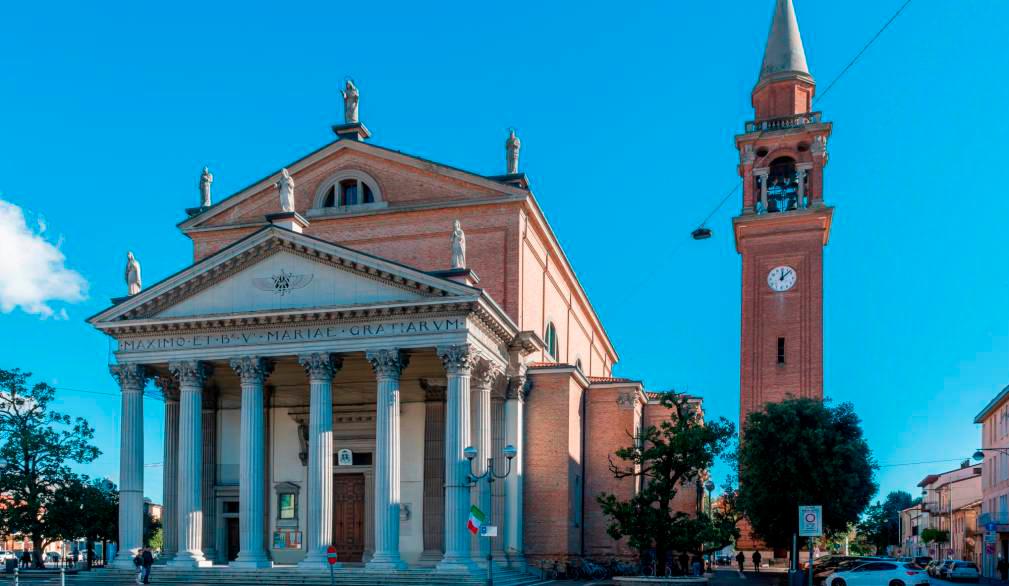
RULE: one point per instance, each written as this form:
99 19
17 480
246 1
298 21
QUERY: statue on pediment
205 180
350 99
286 189
458 246
512 147
133 283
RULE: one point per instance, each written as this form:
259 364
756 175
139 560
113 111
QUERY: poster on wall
287 539
344 457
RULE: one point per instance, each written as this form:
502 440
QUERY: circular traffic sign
810 518
331 555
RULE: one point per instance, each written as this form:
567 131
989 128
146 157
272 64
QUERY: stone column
387 364
170 485
458 361
209 474
191 375
434 469
514 434
319 530
762 175
131 378
482 378
498 518
252 370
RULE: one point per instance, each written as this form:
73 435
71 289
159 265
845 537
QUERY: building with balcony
994 456
947 499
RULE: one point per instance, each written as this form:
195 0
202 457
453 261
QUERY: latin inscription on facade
289 334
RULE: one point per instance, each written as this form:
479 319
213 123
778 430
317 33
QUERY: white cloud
32 270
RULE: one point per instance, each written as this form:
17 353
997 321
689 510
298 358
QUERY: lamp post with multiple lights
474 480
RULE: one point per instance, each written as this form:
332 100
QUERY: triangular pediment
279 271
390 169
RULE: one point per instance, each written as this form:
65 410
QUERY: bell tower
783 226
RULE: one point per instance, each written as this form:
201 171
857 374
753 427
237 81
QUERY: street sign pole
810 525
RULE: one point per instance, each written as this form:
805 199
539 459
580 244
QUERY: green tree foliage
85 508
152 531
803 452
880 525
930 535
664 458
39 444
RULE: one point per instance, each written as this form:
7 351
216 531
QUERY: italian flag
475 521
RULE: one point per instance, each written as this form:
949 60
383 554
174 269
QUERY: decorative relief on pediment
282 283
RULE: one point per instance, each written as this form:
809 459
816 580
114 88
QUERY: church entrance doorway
348 516
231 526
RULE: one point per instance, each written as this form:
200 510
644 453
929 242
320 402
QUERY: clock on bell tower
783 227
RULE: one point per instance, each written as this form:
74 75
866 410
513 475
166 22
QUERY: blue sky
626 114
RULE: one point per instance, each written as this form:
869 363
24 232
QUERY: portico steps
283 576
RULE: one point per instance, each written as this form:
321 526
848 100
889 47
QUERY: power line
923 462
862 52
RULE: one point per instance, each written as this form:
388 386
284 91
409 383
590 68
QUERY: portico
301 373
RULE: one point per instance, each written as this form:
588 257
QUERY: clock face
781 278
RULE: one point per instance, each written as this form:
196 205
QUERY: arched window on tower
550 340
782 186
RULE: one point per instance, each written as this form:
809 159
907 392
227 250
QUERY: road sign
488 531
989 538
811 521
991 527
331 555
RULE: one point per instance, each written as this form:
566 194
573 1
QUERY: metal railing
784 122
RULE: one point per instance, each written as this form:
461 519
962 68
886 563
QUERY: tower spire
784 56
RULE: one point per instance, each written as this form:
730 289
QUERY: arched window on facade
349 192
550 339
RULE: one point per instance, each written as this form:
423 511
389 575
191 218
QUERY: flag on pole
475 521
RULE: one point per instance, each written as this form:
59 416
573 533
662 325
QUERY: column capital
190 373
484 373
387 363
320 365
130 375
518 387
459 358
434 389
251 369
169 387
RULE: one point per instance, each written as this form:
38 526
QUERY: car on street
826 567
943 570
932 569
878 573
963 571
923 560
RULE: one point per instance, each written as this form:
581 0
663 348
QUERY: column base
316 560
456 564
250 563
384 562
189 560
516 561
124 560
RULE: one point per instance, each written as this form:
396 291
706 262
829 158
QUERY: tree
85 508
930 535
38 444
803 452
881 523
152 531
663 458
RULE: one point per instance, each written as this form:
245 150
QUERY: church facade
358 335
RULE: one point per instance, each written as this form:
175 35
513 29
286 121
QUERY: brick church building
350 327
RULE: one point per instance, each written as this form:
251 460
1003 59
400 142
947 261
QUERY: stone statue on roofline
205 180
458 246
350 99
285 187
512 147
133 283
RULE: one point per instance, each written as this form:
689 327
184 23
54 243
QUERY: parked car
932 569
944 567
963 571
923 560
723 560
879 573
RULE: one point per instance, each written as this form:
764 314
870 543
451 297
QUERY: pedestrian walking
740 559
148 558
756 561
697 565
138 563
26 559
1003 568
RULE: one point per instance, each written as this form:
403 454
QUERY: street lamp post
709 486
474 480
